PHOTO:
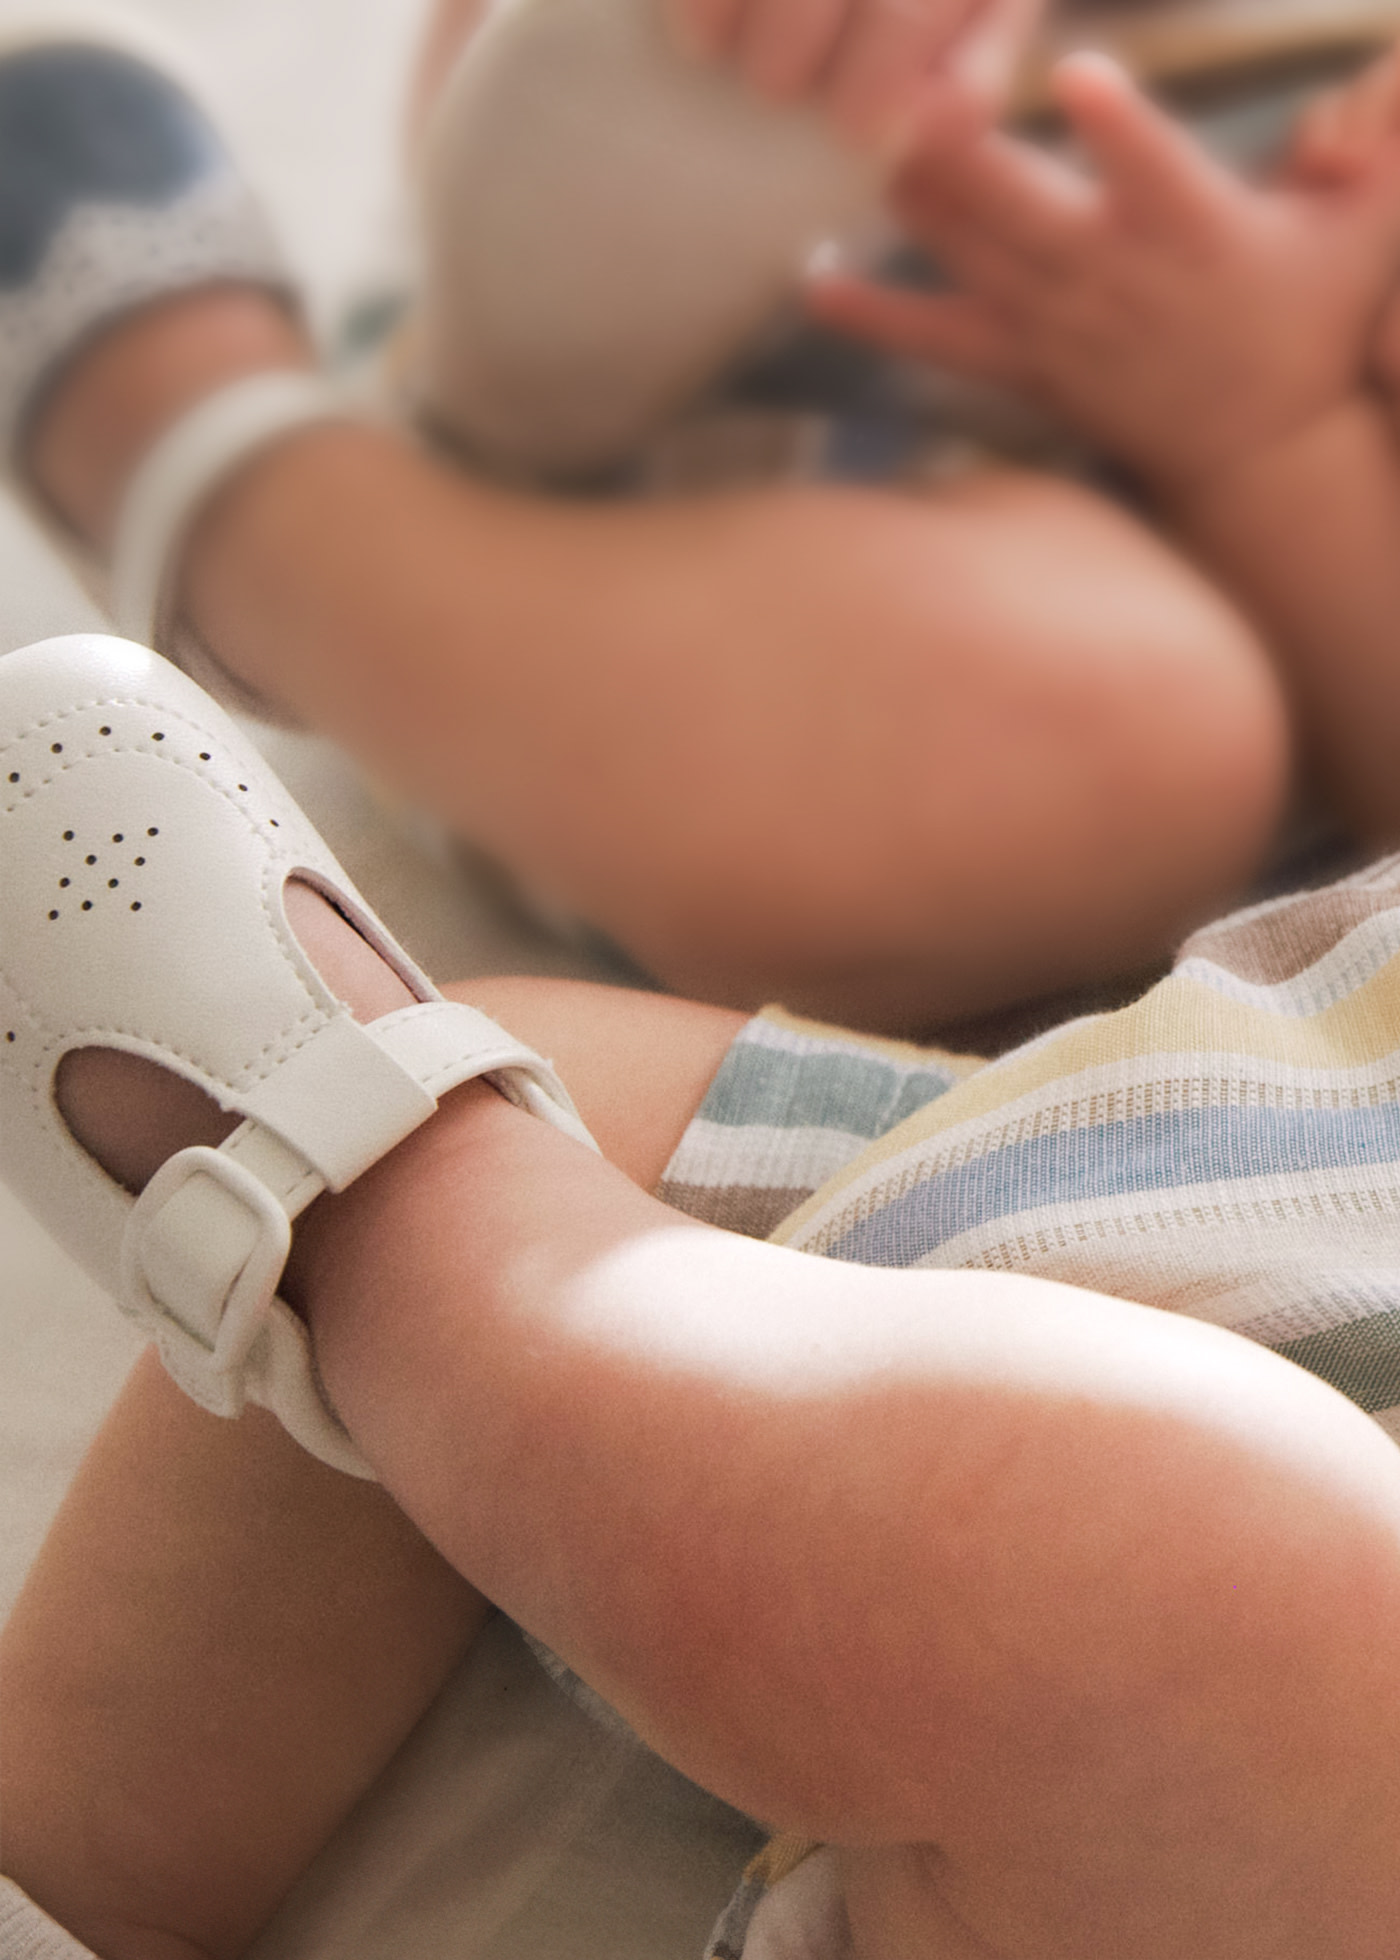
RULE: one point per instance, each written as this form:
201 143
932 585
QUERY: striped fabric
735 1933
792 1103
1227 1147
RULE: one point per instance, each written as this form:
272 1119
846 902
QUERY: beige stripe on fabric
1277 942
1178 1015
753 1210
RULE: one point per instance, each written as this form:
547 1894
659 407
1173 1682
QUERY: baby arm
1214 336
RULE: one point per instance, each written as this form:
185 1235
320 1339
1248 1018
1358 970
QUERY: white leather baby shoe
144 852
117 190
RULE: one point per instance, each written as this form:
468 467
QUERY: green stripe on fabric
835 1090
1361 1359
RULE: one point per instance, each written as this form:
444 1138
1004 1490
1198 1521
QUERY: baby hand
1339 139
869 63
1177 315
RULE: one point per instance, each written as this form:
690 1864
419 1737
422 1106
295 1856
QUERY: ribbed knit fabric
1228 1147
793 1102
26 1933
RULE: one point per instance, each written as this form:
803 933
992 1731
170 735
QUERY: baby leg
1227 1148
219 1647
861 1551
1044 1616
971 748
223 1641
619 1420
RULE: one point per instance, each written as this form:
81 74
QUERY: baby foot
118 396
158 896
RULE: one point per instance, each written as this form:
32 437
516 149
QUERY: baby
1068 1624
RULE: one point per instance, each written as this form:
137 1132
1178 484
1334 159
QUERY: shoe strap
442 1043
207 1240
200 452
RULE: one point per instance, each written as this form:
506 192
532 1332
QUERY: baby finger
951 330
783 46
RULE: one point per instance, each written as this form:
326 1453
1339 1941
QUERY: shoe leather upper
144 851
116 189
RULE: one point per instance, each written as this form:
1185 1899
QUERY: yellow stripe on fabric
780 1857
1181 1015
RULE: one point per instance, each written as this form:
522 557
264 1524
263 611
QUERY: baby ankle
111 404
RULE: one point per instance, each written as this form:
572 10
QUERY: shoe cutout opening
354 970
130 1114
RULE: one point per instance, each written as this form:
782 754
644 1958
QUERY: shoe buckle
201 1259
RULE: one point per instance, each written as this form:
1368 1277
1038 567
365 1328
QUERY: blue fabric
1164 1152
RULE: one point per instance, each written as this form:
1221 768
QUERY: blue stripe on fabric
1149 1154
822 1090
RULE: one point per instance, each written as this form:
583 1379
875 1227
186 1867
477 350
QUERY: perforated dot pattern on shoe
144 849
111 873
94 870
102 870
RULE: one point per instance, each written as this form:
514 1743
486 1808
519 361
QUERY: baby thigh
1123 1888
